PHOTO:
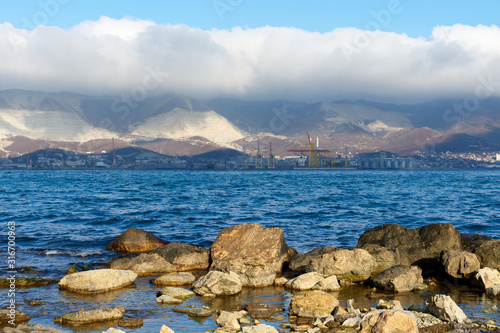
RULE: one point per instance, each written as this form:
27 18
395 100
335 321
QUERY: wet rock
260 328
184 257
412 245
254 253
389 305
349 265
9 315
32 329
92 316
384 257
80 267
136 241
493 291
312 304
486 278
444 308
97 281
218 284
341 317
305 281
165 299
166 329
450 327
175 292
353 323
195 312
175 279
280 281
144 264
488 254
382 321
229 320
398 279
323 321
459 264
131 322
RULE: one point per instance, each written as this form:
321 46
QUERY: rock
426 319
175 279
389 305
488 254
261 328
228 320
493 291
450 327
471 242
305 281
486 278
349 265
459 264
11 314
195 312
341 317
444 308
113 330
166 329
218 284
184 257
175 292
144 264
384 257
329 284
322 321
398 279
131 322
280 281
92 316
136 241
385 321
312 304
412 245
254 253
165 299
32 329
97 281
80 267
353 322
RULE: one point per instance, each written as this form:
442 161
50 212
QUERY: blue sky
416 17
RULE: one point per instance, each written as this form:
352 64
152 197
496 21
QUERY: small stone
166 329
175 279
280 281
165 299
228 320
131 322
176 292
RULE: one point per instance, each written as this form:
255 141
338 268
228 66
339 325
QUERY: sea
68 216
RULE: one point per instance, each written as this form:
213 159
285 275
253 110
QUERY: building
385 160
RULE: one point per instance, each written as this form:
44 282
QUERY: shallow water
64 217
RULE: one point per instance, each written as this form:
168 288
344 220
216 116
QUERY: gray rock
184 257
398 279
92 316
97 281
349 265
218 284
486 278
144 264
305 281
176 292
329 284
166 299
254 253
353 322
322 321
228 320
444 308
459 264
384 257
488 254
175 279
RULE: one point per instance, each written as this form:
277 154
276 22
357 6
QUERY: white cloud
112 56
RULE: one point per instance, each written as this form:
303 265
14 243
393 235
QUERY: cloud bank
111 56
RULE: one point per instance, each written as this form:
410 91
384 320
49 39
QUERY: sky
392 50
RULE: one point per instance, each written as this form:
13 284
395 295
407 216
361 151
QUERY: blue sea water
64 217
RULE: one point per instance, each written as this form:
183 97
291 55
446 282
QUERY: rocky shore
389 260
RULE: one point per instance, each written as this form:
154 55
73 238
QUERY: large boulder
312 304
348 265
488 254
254 253
412 245
144 264
459 264
444 308
388 321
97 281
384 257
184 257
92 316
314 281
136 241
218 284
486 278
470 242
398 279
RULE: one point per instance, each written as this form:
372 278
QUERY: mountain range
179 126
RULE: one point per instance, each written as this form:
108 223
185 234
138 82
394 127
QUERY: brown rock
184 257
459 264
312 304
471 242
144 264
384 257
131 322
437 237
398 279
93 316
488 254
254 253
136 241
388 321
8 315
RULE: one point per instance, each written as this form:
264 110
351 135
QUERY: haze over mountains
176 125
